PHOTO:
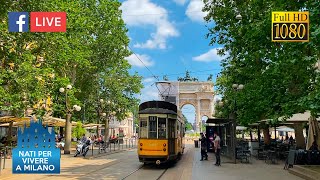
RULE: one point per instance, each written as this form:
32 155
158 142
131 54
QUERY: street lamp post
107 120
100 114
236 87
67 146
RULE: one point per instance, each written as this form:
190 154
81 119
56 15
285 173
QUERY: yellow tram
161 132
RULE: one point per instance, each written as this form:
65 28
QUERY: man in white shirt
217 148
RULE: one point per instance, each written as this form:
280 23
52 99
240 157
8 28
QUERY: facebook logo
18 21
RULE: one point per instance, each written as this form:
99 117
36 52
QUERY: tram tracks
143 170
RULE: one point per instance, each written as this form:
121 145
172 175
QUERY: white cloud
134 61
148 80
194 11
211 55
180 2
150 91
144 12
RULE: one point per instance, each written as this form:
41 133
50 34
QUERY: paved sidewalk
69 165
257 169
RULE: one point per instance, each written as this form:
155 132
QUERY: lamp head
69 87
61 90
238 17
78 108
235 86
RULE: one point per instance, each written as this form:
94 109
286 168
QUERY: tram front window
153 127
162 128
143 128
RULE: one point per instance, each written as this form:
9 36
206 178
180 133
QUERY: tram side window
172 128
162 128
143 128
178 129
152 126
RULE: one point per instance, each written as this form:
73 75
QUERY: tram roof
164 106
156 111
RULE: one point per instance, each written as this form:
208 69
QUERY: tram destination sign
290 26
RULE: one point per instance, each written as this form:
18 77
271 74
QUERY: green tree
90 56
187 123
279 78
78 131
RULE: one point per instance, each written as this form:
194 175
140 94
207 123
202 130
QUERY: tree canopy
90 56
279 79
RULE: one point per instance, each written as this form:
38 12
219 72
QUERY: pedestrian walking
203 141
217 148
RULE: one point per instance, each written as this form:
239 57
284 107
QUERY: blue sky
169 37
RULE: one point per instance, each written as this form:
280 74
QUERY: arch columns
198 118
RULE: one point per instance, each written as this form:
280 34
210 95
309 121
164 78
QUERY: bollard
126 143
0 161
99 147
92 149
4 157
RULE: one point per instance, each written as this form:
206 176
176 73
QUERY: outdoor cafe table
272 156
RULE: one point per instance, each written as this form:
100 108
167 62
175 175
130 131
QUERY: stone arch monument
189 90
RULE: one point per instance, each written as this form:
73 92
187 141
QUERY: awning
53 121
299 117
9 119
50 121
92 125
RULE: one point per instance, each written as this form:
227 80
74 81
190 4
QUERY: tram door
171 136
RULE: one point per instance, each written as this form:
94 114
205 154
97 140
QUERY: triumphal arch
189 90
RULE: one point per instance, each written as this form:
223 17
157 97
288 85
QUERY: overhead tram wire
145 67
191 72
143 63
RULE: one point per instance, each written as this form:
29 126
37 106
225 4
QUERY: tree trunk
9 138
300 141
67 146
266 136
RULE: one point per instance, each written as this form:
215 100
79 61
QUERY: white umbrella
241 128
313 132
285 129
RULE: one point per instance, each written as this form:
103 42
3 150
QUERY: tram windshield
162 128
154 128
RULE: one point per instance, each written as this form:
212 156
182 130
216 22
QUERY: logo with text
290 26
39 21
36 152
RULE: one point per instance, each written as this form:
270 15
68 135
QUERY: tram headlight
164 145
140 149
141 144
164 149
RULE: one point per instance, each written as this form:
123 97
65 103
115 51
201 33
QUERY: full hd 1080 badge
290 26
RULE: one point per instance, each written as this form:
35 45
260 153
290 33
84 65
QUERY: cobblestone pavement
125 164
